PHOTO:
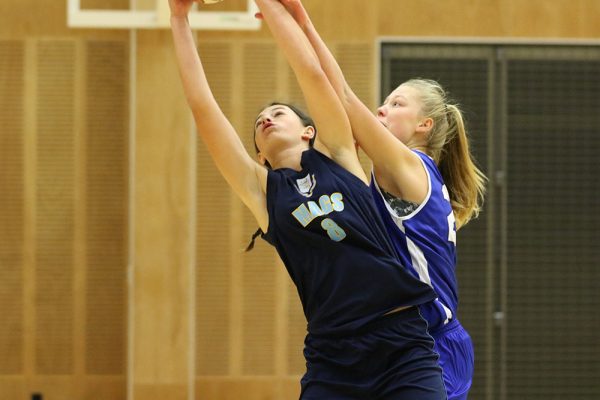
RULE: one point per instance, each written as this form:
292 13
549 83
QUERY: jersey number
334 231
451 219
451 228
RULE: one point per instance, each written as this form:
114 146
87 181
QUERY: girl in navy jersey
425 185
366 337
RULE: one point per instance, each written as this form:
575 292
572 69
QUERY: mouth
384 124
267 125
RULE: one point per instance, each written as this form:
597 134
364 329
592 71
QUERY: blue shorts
453 344
390 359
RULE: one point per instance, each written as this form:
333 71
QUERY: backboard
155 15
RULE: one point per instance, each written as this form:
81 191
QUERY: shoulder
430 165
344 157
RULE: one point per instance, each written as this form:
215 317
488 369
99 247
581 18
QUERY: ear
308 133
425 125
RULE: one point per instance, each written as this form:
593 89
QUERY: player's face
401 113
278 126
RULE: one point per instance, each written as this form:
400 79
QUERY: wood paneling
162 259
259 60
46 169
12 388
55 207
106 149
258 388
434 18
12 92
296 332
103 388
213 272
161 392
357 61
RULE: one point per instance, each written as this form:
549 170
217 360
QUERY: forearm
323 103
193 78
290 38
327 61
351 103
217 133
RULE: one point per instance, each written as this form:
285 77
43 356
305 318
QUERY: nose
262 121
381 111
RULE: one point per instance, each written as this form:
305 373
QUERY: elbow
201 108
313 72
196 105
309 73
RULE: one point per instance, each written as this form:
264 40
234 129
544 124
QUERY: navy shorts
454 345
390 359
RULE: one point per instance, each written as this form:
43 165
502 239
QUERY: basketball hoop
159 17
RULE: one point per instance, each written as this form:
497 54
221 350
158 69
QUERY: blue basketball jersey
426 242
330 236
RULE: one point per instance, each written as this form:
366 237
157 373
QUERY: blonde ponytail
448 145
464 180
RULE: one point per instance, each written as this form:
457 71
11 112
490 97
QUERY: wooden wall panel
558 18
259 273
106 206
12 388
588 20
359 19
163 270
514 18
12 88
293 94
347 20
105 4
103 388
434 18
357 61
257 388
55 208
213 271
296 332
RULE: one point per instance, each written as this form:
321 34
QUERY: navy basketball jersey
328 232
425 239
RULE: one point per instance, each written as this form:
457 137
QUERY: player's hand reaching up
180 8
296 9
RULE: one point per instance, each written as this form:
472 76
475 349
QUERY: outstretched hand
296 10
180 8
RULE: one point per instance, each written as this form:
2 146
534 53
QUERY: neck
422 149
288 158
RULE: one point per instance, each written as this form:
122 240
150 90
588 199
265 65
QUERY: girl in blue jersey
425 184
366 337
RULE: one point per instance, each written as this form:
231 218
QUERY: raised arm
245 176
324 105
398 167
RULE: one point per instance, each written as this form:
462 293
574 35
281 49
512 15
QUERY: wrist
177 18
